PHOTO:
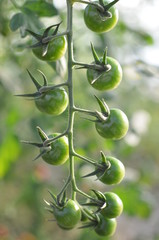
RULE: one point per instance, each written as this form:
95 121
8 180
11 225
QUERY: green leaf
147 38
17 21
31 20
25 20
41 8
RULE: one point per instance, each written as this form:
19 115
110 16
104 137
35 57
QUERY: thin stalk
15 4
86 195
76 109
44 89
97 5
50 140
87 160
93 66
49 38
70 95
64 187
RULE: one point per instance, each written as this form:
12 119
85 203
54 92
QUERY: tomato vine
104 73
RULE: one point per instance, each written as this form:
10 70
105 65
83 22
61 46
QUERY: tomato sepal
52 100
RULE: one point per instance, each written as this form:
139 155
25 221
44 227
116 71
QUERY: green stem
50 140
64 188
109 5
70 94
15 4
97 5
44 89
85 111
87 160
49 38
93 66
85 195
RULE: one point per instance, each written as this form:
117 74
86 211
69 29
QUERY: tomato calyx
99 65
105 111
105 13
93 222
57 202
100 202
100 116
44 39
45 146
101 168
41 89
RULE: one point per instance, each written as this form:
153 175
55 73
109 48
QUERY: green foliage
136 201
9 152
41 8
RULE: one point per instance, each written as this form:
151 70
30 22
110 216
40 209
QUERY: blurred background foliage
24 183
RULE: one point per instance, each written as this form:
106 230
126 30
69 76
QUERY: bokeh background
24 183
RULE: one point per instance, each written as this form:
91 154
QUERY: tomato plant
115 126
58 153
53 102
105 226
67 216
55 149
114 205
100 21
105 80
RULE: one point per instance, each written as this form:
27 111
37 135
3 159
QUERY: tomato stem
97 5
15 4
50 140
70 95
45 89
64 187
87 159
98 67
109 5
49 38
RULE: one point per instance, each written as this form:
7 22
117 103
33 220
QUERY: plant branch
87 160
45 89
49 38
70 95
95 4
93 66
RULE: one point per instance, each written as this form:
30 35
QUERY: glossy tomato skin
68 216
56 49
114 205
108 80
94 20
115 126
59 152
115 173
53 102
106 226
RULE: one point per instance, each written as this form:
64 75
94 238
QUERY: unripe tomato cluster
103 74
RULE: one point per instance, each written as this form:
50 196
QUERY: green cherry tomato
56 49
114 205
115 173
115 126
59 152
96 22
68 215
53 102
106 80
106 226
